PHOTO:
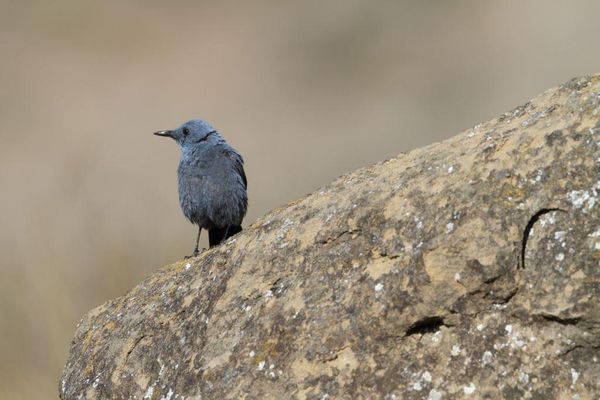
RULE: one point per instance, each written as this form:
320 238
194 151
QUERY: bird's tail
217 235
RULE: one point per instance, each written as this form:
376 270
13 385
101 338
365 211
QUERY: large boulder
469 267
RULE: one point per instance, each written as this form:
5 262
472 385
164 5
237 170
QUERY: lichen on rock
468 268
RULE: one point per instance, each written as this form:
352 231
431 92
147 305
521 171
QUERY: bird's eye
186 131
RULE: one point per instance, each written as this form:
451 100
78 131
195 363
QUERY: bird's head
192 133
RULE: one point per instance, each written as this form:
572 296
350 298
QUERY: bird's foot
196 253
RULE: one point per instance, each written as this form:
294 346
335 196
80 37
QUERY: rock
469 267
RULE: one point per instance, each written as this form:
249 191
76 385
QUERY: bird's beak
164 133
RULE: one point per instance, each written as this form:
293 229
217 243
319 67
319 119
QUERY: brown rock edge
468 268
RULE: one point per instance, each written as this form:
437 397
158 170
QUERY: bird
211 180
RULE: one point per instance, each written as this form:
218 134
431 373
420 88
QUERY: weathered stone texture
400 280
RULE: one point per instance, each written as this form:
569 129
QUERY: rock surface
401 280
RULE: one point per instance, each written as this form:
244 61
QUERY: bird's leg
226 232
196 251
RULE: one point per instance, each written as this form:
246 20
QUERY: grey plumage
212 181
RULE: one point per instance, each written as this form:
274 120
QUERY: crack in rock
528 228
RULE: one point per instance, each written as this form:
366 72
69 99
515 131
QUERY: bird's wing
238 163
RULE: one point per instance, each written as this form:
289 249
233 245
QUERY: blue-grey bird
212 181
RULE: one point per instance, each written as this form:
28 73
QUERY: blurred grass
305 90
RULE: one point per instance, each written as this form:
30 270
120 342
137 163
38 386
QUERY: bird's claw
196 253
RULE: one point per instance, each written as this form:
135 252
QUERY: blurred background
305 90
